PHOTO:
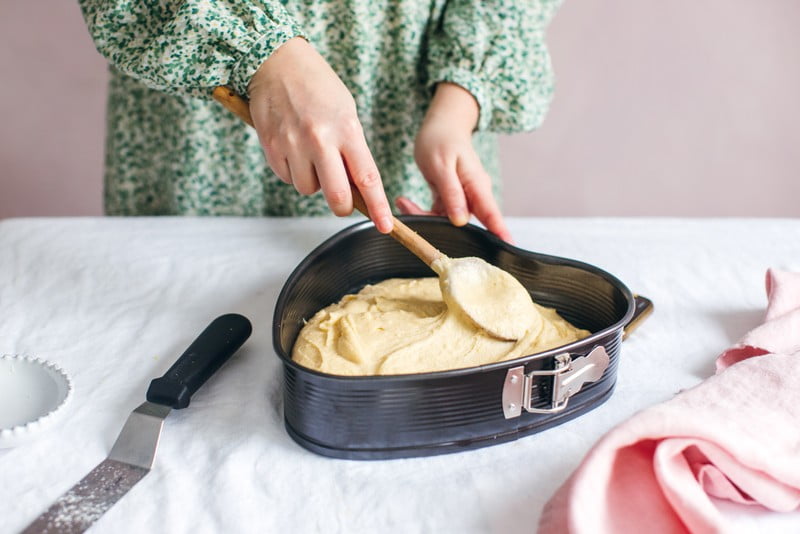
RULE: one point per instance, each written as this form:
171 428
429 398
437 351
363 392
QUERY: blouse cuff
262 48
473 83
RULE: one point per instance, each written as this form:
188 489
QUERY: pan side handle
643 307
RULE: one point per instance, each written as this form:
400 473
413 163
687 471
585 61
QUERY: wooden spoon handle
405 235
402 233
234 103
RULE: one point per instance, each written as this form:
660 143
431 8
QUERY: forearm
455 105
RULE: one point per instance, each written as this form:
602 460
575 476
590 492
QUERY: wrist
286 53
455 104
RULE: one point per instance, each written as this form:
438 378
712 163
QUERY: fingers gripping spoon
487 295
132 455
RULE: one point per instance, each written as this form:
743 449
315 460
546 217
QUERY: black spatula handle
204 356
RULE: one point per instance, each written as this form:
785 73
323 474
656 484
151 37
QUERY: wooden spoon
489 296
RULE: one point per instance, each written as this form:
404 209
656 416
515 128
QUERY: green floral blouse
171 149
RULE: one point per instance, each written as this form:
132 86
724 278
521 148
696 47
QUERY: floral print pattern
171 149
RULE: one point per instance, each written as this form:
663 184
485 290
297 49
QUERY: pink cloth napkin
735 436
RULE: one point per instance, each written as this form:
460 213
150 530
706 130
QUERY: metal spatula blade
131 458
132 455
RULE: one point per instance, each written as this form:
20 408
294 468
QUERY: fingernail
459 217
385 225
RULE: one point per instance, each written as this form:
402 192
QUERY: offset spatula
132 455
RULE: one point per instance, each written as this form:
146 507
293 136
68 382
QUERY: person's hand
447 159
308 125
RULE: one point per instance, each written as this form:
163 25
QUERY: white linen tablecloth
114 301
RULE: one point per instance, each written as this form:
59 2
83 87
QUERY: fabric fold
496 51
188 48
735 436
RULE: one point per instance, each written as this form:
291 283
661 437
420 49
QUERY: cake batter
402 326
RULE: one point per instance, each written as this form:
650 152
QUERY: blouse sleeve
188 47
496 50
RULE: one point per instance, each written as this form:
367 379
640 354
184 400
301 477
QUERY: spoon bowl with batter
488 296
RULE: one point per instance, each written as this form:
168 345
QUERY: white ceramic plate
33 394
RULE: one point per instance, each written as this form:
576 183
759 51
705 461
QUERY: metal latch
569 376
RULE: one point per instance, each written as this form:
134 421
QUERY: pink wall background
679 108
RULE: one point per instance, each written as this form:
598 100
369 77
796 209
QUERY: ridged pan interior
584 295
